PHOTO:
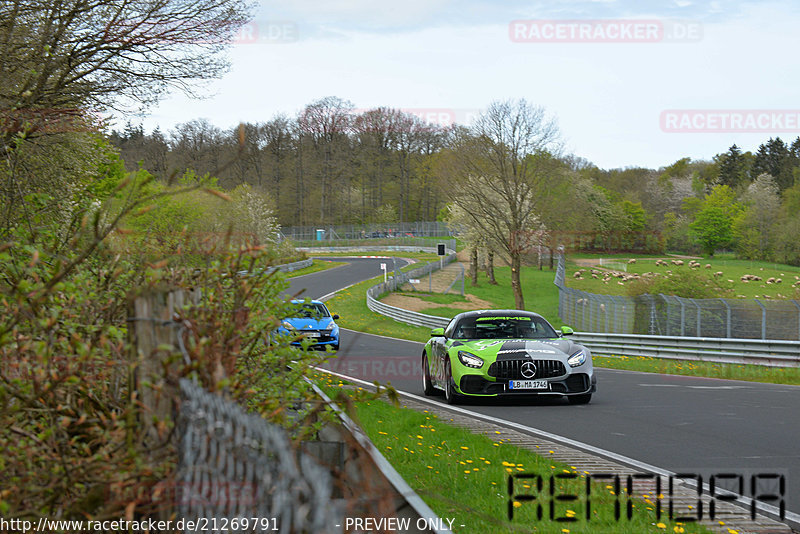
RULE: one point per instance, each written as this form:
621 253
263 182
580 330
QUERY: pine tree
731 167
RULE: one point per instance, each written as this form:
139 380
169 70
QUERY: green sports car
491 353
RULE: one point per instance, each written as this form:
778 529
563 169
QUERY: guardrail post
683 317
763 319
584 300
727 318
697 332
797 305
652 315
573 295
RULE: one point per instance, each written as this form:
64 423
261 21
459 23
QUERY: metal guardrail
295 266
399 314
772 353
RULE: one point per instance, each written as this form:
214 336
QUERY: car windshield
505 327
310 309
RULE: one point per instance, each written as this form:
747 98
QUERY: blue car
314 322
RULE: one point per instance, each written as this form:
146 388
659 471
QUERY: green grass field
541 295
732 270
750 373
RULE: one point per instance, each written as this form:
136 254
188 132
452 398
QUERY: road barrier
772 353
400 278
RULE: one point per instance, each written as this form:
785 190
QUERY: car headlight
470 360
329 327
579 358
287 325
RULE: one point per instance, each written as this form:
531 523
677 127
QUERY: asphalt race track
682 424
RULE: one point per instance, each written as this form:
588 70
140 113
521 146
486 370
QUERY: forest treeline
332 164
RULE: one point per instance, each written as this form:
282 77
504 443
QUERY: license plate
527 384
311 334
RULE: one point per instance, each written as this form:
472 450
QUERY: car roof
303 301
496 313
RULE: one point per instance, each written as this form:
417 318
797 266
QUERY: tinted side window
450 328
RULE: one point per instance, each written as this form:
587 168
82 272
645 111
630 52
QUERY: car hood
310 323
512 349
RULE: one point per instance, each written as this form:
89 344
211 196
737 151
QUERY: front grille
511 369
323 337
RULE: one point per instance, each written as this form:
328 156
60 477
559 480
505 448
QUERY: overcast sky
631 83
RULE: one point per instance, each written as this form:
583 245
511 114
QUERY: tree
732 167
326 123
713 223
754 227
497 173
59 58
787 246
774 158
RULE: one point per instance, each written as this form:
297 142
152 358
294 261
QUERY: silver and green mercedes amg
491 353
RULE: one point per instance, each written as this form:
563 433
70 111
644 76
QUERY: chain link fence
668 315
367 231
239 473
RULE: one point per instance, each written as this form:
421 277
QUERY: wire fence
669 315
239 473
367 231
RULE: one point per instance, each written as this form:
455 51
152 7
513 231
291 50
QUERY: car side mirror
335 316
437 332
566 331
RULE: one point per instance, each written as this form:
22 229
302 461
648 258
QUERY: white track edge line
772 511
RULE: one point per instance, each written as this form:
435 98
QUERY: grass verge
351 305
541 295
464 477
750 373
316 266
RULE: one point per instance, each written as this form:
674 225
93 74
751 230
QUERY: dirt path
419 305
439 282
